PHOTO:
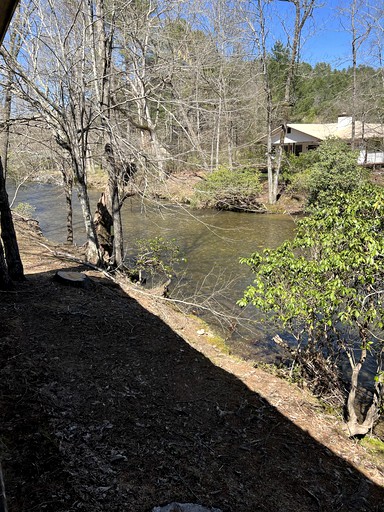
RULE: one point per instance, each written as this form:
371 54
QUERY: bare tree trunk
218 134
261 40
104 228
14 49
8 234
7 118
354 427
108 215
68 188
354 89
150 140
114 207
270 156
362 23
229 141
303 9
372 415
118 246
193 135
108 222
93 254
5 281
78 160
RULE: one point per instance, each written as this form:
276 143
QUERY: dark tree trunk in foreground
8 234
5 282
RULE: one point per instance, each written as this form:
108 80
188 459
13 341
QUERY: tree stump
71 278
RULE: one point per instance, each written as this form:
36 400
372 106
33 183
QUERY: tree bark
114 206
354 427
7 118
108 214
68 187
104 228
8 234
93 253
14 47
5 281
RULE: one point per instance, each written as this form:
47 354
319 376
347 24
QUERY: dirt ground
111 401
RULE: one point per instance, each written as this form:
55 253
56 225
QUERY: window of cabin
298 149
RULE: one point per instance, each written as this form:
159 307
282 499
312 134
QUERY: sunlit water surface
211 241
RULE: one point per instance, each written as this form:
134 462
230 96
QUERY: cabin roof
7 8
317 132
322 131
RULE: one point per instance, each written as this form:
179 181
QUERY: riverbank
112 400
179 188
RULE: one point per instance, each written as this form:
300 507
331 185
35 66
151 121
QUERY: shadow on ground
105 408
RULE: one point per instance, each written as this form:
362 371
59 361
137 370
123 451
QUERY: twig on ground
71 257
3 499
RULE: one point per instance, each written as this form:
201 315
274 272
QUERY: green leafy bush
335 169
225 189
330 168
296 171
326 288
156 256
25 210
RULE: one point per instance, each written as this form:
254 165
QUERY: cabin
369 138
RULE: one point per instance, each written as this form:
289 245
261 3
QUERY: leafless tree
256 16
52 75
358 15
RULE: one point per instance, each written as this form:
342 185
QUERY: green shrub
296 171
335 169
25 210
156 256
325 288
225 189
330 168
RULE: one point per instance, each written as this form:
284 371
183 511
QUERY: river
211 241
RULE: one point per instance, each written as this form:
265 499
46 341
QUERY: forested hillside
322 93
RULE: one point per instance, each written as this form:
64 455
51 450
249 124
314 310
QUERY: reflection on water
211 241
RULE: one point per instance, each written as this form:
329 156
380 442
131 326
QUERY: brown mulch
105 407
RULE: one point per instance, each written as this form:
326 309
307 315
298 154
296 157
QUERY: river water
212 243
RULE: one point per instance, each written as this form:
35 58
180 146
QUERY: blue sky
327 41
326 34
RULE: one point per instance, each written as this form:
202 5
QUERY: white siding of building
371 158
